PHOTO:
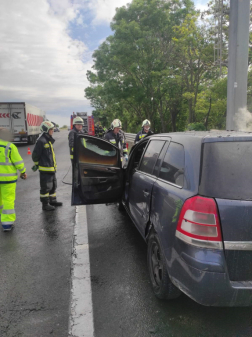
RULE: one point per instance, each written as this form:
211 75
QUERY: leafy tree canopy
159 64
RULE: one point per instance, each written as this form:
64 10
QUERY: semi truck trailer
23 120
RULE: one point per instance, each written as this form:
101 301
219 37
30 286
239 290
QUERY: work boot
47 207
7 228
56 203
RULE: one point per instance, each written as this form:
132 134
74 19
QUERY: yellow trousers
7 203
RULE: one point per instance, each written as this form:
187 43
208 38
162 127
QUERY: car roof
208 136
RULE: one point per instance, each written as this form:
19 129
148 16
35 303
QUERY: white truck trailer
22 119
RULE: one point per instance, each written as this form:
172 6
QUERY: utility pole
221 25
237 59
218 46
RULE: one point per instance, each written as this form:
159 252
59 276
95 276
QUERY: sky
46 49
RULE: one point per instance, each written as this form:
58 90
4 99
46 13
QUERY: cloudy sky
46 49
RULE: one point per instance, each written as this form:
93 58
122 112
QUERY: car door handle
146 193
103 180
114 170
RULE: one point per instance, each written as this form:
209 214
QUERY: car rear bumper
202 275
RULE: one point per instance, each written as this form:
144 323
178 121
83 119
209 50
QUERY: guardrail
130 137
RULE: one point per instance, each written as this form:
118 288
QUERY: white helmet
46 126
78 120
116 124
146 122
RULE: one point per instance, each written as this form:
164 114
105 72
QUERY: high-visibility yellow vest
10 162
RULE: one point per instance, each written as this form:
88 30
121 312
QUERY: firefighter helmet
46 126
146 122
78 120
116 124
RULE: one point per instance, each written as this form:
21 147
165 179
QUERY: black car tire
160 280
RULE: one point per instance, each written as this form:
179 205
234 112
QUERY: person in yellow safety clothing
44 160
10 162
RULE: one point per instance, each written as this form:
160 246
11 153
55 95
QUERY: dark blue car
190 196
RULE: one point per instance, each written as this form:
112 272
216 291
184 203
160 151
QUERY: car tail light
199 223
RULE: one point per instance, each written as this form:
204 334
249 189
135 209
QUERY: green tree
159 64
135 68
196 61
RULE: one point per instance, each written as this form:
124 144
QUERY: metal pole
221 23
237 59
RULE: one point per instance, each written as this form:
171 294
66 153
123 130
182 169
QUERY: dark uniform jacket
117 139
141 134
43 154
101 131
71 139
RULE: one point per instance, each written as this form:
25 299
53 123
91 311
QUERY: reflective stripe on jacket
43 154
141 134
10 162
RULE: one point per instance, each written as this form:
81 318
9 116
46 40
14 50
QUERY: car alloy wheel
160 280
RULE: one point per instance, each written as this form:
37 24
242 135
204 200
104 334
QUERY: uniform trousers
48 185
7 203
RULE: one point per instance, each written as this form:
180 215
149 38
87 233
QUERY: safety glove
34 168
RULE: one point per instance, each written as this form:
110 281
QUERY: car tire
160 280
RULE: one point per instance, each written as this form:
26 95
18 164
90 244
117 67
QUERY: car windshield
226 170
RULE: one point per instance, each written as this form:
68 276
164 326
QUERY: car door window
172 168
137 154
151 155
93 151
160 159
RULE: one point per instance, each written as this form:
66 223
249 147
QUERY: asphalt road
35 259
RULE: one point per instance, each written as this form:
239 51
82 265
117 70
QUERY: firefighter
97 129
10 162
100 131
116 136
144 132
44 160
77 128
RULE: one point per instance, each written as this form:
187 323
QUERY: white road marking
81 323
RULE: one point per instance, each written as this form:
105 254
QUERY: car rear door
97 171
226 176
18 119
141 185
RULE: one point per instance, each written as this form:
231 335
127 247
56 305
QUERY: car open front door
97 171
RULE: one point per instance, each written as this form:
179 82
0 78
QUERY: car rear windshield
227 170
